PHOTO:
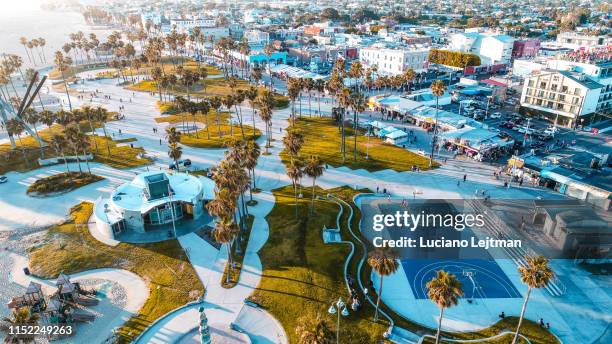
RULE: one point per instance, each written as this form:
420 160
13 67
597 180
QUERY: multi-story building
564 97
186 25
576 40
393 61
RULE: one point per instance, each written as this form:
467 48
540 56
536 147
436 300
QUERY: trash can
26 271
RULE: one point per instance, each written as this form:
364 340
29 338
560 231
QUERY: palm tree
358 104
251 95
319 86
356 72
175 152
293 142
293 91
89 114
536 274
252 152
384 262
444 290
437 88
294 172
314 330
269 50
204 107
21 316
58 143
62 63
31 117
73 136
82 144
313 168
15 127
24 41
100 115
409 76
344 99
225 233
266 102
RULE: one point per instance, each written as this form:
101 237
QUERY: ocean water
25 18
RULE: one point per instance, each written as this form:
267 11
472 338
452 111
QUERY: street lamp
340 308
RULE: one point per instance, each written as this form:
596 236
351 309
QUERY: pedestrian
464 177
458 182
377 188
160 142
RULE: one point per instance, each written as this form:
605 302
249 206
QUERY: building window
561 97
542 85
573 109
575 100
564 89
530 83
553 87
577 91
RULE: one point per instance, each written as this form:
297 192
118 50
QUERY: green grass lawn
219 133
322 138
302 275
69 248
25 156
62 182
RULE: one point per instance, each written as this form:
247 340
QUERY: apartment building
394 61
186 25
566 98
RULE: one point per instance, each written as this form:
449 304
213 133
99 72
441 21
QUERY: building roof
132 195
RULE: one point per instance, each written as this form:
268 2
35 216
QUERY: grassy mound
60 182
219 128
70 248
322 138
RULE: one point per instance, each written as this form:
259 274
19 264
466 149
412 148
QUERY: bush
66 181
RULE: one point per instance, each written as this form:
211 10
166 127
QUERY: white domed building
153 207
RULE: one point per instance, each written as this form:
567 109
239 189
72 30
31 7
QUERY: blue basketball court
481 278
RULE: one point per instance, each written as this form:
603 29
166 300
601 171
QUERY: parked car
3 179
544 136
186 163
495 115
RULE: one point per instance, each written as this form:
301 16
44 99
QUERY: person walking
464 177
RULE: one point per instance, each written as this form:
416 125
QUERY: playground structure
65 306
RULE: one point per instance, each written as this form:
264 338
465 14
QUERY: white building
152 201
257 37
492 49
394 61
186 25
561 96
576 40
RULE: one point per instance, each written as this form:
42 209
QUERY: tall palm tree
358 104
409 76
266 102
175 152
344 99
204 107
313 167
269 50
437 88
252 152
31 117
15 127
89 113
319 86
294 172
314 330
293 142
73 136
24 41
82 143
100 115
535 274
444 290
384 262
225 233
251 95
58 143
62 64
293 90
